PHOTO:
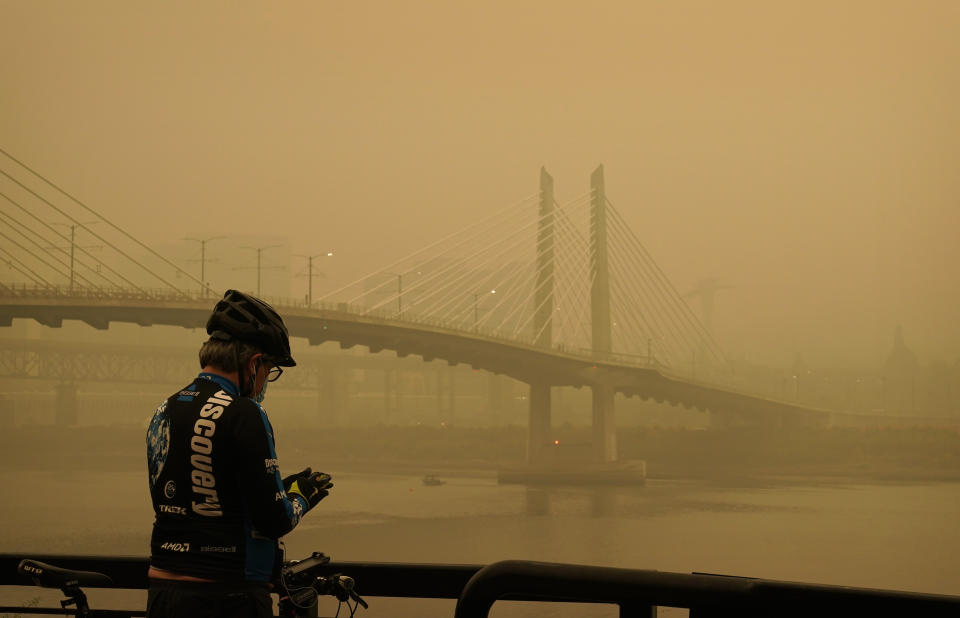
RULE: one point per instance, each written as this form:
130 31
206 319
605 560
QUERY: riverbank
736 455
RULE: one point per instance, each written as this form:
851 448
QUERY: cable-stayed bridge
549 293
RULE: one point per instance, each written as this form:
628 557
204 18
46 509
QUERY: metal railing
168 295
477 588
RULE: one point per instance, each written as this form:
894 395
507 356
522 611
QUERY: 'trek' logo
204 483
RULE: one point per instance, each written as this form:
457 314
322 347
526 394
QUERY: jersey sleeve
272 512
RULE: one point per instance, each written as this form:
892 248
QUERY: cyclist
220 502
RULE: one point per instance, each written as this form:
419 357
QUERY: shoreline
742 458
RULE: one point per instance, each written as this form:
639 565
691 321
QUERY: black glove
313 487
290 479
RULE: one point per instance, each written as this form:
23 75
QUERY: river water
899 536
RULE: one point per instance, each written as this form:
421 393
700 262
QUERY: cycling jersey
219 500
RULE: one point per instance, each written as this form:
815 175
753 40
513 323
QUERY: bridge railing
407 317
101 293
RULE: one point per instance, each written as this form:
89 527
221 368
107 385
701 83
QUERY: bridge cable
64 237
438 280
666 326
105 220
530 297
512 241
586 306
684 310
393 265
42 247
37 278
556 268
653 282
573 295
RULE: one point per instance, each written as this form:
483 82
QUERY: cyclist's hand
312 488
290 479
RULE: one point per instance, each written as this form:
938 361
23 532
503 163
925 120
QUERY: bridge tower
538 425
604 429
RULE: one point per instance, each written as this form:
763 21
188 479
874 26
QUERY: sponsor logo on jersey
174 510
272 465
170 489
201 457
231 549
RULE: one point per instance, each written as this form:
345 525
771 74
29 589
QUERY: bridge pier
446 389
538 423
391 395
332 400
604 425
604 429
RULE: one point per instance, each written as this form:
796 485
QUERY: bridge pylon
538 425
604 426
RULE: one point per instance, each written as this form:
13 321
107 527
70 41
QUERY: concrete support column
7 413
332 398
452 394
538 423
67 411
604 425
440 414
389 376
494 397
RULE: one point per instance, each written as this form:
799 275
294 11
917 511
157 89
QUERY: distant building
900 378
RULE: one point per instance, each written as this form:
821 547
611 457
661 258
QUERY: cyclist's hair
223 354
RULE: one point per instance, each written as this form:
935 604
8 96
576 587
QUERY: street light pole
204 288
310 273
260 251
476 308
73 244
399 295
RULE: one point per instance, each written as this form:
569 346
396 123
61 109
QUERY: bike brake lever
356 597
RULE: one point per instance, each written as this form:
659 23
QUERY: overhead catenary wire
92 233
105 220
25 270
64 238
20 230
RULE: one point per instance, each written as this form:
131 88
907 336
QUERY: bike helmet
241 317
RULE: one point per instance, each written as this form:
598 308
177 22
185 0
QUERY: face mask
263 392
259 397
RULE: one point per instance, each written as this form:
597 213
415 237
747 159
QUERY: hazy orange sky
805 153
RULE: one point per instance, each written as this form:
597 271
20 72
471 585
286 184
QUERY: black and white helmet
241 317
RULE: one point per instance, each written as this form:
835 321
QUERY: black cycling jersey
219 500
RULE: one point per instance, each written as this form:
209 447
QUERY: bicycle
69 582
299 587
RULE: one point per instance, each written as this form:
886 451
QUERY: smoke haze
802 153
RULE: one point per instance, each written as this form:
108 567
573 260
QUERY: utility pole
476 308
204 287
73 244
259 266
399 295
310 273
